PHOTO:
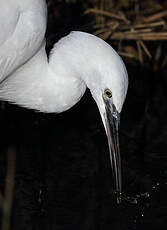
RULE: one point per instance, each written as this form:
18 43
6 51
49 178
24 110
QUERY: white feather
77 61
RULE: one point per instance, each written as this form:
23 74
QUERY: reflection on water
152 209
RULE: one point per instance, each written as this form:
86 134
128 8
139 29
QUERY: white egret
77 61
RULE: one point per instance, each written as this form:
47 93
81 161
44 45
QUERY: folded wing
22 32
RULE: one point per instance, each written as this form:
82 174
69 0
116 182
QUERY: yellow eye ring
108 93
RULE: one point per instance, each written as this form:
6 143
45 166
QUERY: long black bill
112 119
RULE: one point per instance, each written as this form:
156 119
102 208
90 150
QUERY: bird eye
108 93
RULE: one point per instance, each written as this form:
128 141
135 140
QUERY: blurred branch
7 202
1 200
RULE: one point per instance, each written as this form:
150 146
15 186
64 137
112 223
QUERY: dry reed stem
153 36
155 17
110 24
105 35
104 13
110 30
139 52
145 30
139 27
146 11
108 4
128 55
100 31
7 204
115 25
122 15
154 24
158 52
145 49
101 19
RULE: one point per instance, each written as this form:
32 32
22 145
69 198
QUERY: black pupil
108 93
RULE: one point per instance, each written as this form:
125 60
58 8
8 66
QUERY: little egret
77 61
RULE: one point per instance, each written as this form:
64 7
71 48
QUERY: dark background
63 177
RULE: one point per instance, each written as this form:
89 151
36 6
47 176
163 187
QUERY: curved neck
43 86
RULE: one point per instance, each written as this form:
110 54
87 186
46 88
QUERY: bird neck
42 85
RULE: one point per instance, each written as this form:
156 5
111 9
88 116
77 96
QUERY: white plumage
77 61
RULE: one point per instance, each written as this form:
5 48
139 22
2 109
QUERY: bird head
107 80
101 69
109 95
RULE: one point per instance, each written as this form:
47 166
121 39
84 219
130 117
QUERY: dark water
63 177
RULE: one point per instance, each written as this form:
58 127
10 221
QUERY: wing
22 32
